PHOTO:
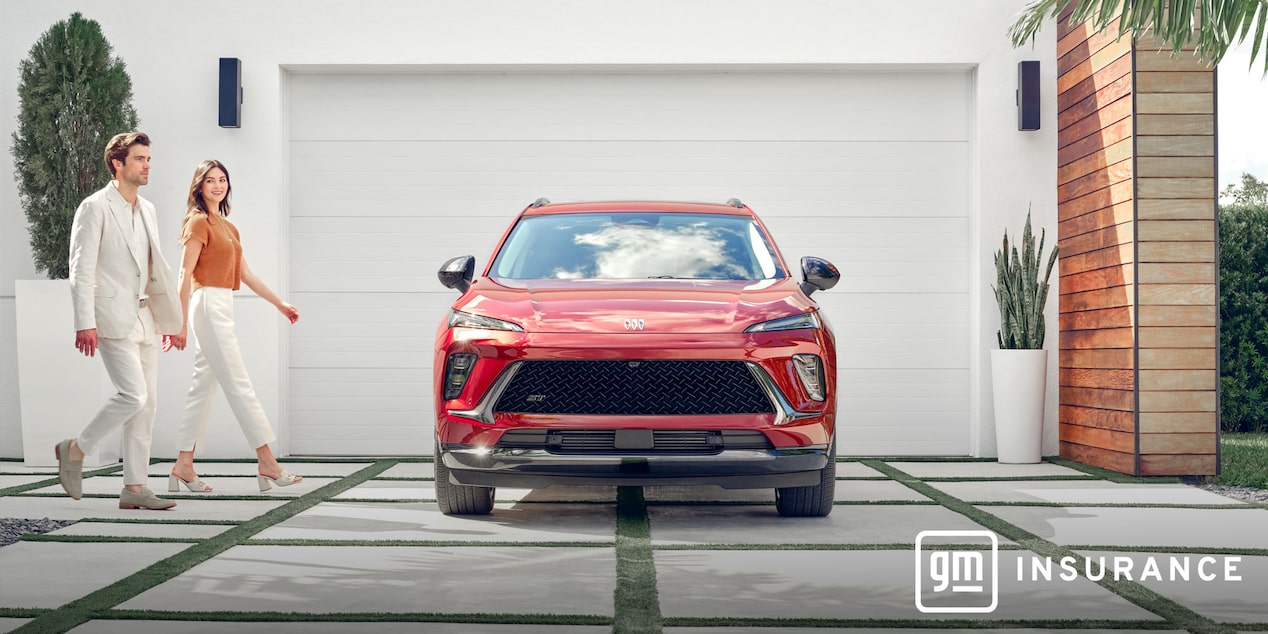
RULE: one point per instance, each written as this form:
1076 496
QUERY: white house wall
171 50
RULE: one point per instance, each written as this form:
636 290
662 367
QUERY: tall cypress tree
73 96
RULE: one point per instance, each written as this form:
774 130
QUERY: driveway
360 546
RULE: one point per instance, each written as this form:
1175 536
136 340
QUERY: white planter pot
59 388
1018 378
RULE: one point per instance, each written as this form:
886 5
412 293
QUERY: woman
213 265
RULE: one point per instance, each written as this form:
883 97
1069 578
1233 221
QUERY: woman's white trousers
218 363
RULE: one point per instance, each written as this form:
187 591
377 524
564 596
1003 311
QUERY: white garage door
393 173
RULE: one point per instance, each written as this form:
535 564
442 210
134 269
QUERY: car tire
458 499
811 501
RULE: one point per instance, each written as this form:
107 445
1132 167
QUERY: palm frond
1212 26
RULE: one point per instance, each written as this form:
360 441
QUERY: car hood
619 306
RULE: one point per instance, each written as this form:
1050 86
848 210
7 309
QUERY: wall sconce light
1028 95
230 92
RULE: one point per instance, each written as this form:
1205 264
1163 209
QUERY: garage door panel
938 166
899 361
869 170
667 107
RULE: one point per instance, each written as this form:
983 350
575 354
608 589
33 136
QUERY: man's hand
86 342
173 341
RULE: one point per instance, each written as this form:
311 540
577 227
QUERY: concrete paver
526 523
983 470
845 491
882 630
306 469
1109 526
64 508
214 627
851 584
8 624
882 524
230 486
410 470
423 490
53 573
760 580
1080 492
388 579
7 481
116 529
1219 597
850 469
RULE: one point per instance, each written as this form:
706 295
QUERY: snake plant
1021 293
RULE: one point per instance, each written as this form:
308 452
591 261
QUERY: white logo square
958 573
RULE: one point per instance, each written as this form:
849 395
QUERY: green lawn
1244 458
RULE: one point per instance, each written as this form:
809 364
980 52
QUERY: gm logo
957 581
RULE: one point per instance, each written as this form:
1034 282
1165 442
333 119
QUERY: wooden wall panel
1136 225
1096 233
1177 283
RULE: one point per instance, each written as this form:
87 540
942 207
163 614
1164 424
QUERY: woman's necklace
224 229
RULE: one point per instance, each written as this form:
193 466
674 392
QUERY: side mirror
457 273
818 275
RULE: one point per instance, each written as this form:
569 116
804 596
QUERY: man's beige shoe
70 473
143 500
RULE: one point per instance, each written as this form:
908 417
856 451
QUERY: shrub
73 96
1244 308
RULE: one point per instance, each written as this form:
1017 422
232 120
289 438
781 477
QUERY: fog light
810 371
457 370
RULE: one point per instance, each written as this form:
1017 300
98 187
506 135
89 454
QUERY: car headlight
458 318
796 322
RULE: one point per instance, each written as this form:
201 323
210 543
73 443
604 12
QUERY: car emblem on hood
635 324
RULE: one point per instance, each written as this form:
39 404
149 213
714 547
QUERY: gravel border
1245 494
13 528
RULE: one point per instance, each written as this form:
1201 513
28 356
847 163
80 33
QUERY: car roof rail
735 202
539 202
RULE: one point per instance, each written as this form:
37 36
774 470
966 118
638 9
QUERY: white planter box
1018 379
60 389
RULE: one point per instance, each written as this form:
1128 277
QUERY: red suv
636 343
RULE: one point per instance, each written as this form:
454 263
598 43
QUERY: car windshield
636 245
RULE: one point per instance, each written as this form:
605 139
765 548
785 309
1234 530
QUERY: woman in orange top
214 266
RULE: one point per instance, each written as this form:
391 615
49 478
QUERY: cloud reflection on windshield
634 251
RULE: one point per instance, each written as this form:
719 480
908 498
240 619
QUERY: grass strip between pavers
1086 477
1233 505
108 539
636 600
1176 615
359 617
93 605
121 520
52 481
425 543
1112 476
937 625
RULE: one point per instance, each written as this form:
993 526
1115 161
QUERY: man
123 292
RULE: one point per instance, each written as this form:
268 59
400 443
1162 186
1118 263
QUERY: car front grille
683 441
633 388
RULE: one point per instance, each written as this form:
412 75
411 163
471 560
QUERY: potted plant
73 96
1019 366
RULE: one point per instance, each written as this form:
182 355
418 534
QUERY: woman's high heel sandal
174 484
284 480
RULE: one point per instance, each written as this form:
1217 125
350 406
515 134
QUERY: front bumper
731 469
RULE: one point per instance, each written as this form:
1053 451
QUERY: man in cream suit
124 294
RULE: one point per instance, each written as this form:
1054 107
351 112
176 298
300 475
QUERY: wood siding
1176 269
1096 231
1138 275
